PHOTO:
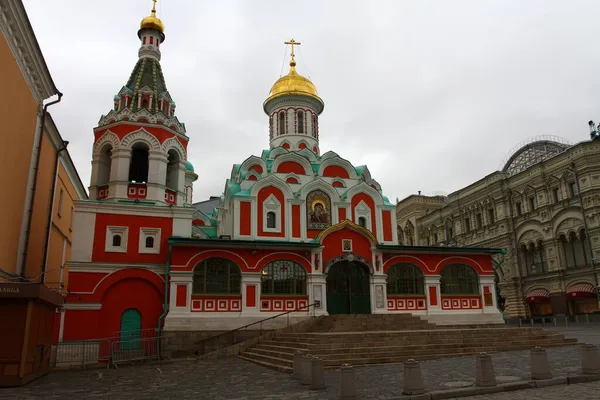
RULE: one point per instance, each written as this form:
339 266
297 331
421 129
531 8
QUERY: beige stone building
543 208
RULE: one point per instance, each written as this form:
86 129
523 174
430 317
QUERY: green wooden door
131 329
348 290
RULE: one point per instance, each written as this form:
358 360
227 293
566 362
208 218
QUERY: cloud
432 95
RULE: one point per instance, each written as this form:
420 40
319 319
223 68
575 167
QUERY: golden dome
293 83
152 21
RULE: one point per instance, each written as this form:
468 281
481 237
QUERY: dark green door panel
348 289
131 329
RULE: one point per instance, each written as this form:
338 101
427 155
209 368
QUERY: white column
317 289
119 173
249 280
157 175
178 280
433 281
181 184
378 294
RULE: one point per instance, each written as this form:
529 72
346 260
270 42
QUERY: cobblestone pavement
581 391
235 379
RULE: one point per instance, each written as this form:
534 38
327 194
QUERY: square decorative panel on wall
209 305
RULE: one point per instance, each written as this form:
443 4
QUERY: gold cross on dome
154 6
293 43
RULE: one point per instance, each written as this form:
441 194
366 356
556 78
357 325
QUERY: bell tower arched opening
138 166
104 165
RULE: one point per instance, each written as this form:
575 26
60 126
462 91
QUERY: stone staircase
379 339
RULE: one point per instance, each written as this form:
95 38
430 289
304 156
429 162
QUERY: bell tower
293 107
140 147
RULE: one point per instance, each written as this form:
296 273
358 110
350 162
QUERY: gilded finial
293 60
152 21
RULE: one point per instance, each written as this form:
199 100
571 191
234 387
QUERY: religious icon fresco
318 210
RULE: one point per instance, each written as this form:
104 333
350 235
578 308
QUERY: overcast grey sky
431 95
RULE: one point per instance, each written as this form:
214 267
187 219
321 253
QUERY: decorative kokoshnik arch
349 257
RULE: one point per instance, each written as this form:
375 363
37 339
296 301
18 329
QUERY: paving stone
236 379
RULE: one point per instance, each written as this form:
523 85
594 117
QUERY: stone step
277 367
403 342
283 362
405 338
353 348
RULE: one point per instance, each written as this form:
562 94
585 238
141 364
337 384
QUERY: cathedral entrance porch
348 288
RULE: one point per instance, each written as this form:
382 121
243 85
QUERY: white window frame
149 232
271 204
112 231
363 210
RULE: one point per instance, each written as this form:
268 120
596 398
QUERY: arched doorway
348 288
131 329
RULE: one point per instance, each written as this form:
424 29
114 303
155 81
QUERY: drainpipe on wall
51 210
36 167
166 300
585 230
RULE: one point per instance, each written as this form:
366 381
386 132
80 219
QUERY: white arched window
300 115
281 123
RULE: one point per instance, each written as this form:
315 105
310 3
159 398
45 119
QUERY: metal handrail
233 331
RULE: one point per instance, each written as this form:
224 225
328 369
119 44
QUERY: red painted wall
387 226
356 199
287 167
342 214
245 218
256 259
251 296
361 245
263 194
81 324
312 233
134 223
296 221
336 171
181 296
256 168
124 129
433 296
434 263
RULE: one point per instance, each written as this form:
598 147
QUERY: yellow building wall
39 220
62 230
18 115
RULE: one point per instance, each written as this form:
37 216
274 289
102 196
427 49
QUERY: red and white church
294 228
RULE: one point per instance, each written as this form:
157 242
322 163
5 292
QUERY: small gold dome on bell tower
293 82
152 21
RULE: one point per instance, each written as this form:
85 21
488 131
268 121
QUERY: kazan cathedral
295 229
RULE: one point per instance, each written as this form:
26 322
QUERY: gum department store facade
541 207
294 227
